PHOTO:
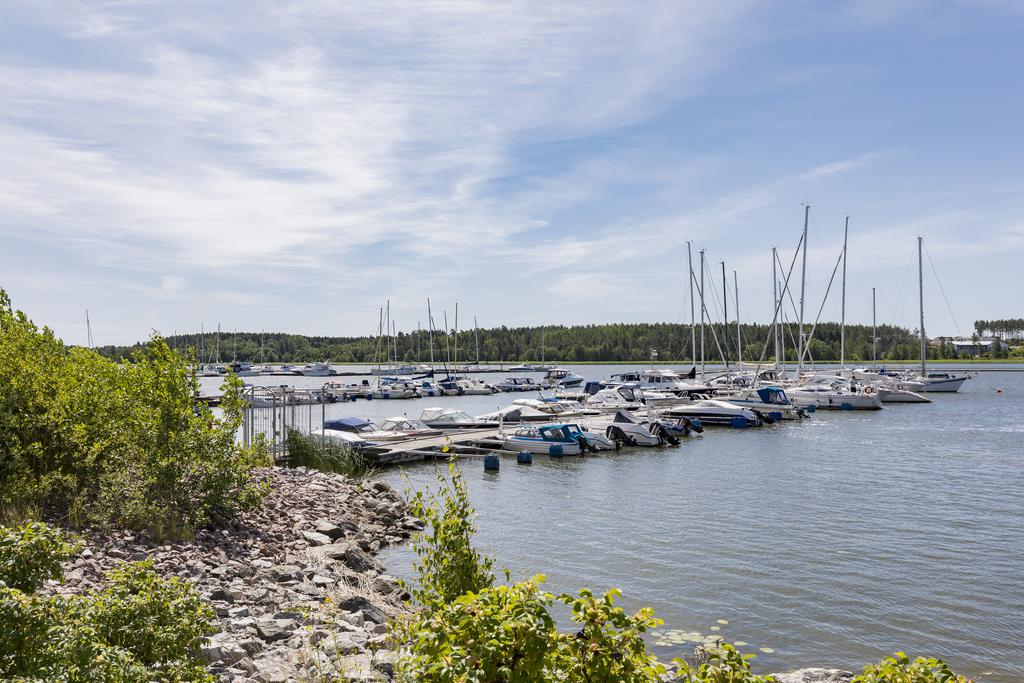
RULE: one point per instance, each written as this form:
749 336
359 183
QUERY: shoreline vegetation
613 343
140 542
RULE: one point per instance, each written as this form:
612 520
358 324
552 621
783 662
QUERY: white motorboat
614 399
410 427
666 381
352 439
242 369
561 378
395 389
472 386
364 429
318 370
896 394
830 392
555 408
550 439
519 384
449 419
516 413
715 412
942 382
401 370
628 430
772 402
430 388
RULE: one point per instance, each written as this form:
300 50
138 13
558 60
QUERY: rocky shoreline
298 593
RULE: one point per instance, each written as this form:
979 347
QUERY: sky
292 166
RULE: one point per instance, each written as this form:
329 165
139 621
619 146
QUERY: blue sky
289 166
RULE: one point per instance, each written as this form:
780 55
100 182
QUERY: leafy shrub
448 565
139 627
899 669
503 633
32 554
506 633
326 455
609 646
100 443
724 664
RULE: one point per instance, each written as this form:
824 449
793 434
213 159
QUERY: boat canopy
350 424
773 395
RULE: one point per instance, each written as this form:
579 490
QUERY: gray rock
222 595
316 539
357 603
815 676
329 529
272 630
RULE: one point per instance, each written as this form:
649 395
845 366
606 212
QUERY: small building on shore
966 346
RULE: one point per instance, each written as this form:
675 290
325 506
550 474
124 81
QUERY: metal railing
273 411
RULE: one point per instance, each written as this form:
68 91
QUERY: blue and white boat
771 402
550 439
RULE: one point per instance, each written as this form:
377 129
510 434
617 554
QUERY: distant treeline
1011 328
593 343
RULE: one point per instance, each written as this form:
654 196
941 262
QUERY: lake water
830 542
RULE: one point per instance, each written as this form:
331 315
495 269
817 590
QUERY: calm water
830 542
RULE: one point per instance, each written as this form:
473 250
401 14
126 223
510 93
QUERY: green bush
95 442
506 633
724 664
139 627
448 565
32 554
899 669
326 455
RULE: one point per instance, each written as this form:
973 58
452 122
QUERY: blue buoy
739 421
492 462
524 458
812 408
555 450
369 397
696 423
775 416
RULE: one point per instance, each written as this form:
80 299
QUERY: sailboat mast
702 311
874 331
775 304
88 328
476 340
842 318
387 330
725 317
394 339
739 335
693 314
920 292
447 347
430 333
803 290
456 337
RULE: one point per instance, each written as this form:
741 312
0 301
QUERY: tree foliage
581 343
92 441
139 627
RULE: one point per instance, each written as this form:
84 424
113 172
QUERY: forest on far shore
582 343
